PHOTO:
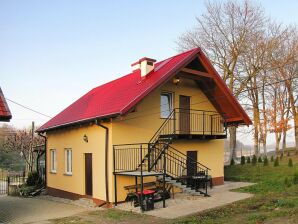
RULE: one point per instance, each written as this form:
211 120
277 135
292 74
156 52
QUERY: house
5 114
164 121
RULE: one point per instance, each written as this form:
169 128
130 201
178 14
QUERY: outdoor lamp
85 138
176 80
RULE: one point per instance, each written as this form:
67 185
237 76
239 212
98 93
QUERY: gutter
106 158
45 161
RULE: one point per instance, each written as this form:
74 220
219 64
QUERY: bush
232 162
287 183
272 159
248 159
260 160
33 179
266 163
295 179
289 154
26 190
254 160
290 163
276 162
242 160
281 155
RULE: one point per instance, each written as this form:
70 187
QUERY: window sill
53 172
67 174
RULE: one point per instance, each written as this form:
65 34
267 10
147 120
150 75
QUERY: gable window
166 104
53 157
68 161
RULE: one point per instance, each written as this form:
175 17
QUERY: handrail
162 125
189 157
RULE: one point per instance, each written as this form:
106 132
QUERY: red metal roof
119 96
5 114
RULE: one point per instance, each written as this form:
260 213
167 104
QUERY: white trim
53 162
171 94
68 161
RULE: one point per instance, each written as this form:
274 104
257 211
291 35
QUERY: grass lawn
275 200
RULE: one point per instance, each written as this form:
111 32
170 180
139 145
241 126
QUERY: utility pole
31 149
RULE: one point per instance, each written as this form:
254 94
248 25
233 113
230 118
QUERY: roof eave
42 130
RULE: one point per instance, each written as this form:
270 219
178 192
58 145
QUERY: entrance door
184 115
88 173
191 162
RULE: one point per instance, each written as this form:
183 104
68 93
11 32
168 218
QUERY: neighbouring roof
121 95
5 114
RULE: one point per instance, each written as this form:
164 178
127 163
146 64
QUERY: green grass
273 200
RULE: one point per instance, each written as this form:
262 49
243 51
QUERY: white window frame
53 158
162 111
68 161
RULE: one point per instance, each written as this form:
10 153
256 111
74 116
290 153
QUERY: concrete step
86 202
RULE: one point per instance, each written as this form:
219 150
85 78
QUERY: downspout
106 158
45 160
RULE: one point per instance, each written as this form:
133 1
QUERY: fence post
203 122
8 183
211 123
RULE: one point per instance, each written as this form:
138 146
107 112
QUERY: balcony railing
192 122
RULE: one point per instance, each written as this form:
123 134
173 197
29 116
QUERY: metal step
178 184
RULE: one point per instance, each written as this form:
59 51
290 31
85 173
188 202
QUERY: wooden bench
130 188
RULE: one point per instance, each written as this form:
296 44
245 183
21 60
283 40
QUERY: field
275 200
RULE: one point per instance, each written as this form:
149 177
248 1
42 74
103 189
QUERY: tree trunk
264 131
233 141
277 140
294 112
284 141
256 118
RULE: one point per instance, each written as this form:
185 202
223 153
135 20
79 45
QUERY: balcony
193 124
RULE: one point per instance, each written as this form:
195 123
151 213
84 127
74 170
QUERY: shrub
287 183
266 163
33 179
254 160
295 179
289 154
26 190
248 159
276 162
281 155
272 159
232 162
260 160
290 163
242 160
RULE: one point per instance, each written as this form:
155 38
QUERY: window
68 161
166 104
53 161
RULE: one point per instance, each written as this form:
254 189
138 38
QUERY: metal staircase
158 158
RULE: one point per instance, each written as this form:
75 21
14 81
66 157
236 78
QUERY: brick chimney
145 64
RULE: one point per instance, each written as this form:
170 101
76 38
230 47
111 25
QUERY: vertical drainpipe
106 158
45 156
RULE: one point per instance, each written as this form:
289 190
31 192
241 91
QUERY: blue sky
52 52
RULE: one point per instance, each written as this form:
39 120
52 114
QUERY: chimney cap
143 59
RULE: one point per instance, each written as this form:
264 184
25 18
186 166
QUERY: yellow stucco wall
73 139
138 126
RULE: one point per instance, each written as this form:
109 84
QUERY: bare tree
23 142
224 32
285 59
